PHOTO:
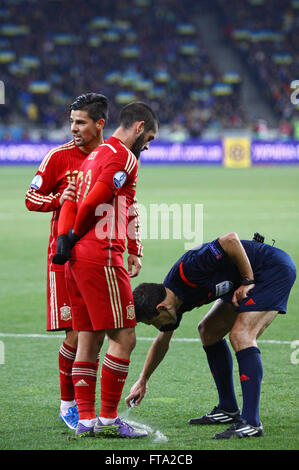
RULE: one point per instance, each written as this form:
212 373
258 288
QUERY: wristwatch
247 282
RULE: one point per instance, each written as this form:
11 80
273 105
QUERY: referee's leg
247 328
212 330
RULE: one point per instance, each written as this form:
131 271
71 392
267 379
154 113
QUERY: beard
138 145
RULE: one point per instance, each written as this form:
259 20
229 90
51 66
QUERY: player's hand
69 194
134 261
137 393
240 294
63 250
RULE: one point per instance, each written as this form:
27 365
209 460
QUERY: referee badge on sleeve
130 312
223 288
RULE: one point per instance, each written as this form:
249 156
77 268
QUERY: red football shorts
101 296
58 303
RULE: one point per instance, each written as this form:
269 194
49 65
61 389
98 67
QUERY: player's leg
71 338
115 370
89 345
66 356
119 320
85 378
84 371
109 308
212 330
59 318
113 377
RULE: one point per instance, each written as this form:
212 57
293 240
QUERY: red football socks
84 380
66 359
113 377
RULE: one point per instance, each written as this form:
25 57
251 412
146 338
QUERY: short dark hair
95 104
138 111
146 298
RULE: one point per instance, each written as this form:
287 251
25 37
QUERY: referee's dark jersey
205 274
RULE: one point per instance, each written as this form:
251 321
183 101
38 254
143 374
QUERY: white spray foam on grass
157 435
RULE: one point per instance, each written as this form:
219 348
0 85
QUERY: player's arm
113 176
134 244
101 193
41 195
233 247
66 221
73 224
39 201
154 357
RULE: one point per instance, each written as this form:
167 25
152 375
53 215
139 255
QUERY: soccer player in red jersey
53 184
98 284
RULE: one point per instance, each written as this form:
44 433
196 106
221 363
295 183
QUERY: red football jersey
104 243
58 168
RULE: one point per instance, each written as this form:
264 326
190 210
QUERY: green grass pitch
240 200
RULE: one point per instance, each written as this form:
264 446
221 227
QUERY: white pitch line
178 340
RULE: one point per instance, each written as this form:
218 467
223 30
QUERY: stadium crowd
266 35
133 49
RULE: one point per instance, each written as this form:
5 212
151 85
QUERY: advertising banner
236 152
274 152
232 152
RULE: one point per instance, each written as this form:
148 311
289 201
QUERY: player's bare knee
71 338
132 341
206 336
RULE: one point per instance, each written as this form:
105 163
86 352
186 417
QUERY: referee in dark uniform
249 283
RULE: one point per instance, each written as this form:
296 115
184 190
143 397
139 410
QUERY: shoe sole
113 433
66 423
212 421
209 423
82 435
238 436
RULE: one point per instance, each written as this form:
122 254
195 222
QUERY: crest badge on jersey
119 179
36 182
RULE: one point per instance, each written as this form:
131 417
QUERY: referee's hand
240 294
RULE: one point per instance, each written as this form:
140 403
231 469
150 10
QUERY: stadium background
218 73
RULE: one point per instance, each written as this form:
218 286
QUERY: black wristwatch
247 282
